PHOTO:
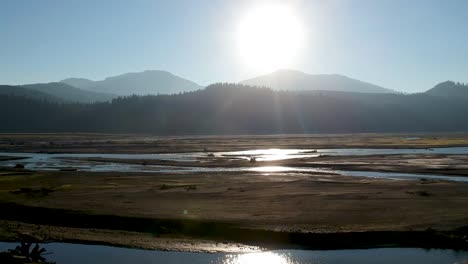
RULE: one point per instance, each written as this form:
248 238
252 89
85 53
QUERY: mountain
69 93
450 89
139 83
10 90
298 81
239 109
81 83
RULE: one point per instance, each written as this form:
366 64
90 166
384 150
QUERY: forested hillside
239 109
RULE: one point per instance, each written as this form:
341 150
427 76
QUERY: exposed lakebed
197 161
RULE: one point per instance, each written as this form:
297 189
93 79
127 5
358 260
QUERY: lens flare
269 37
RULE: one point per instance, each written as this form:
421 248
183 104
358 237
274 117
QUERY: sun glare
257 258
269 37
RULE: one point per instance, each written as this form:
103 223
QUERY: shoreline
127 143
216 211
56 225
423 164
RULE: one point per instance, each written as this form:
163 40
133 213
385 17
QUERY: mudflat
241 210
121 143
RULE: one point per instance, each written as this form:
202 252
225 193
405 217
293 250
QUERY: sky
407 46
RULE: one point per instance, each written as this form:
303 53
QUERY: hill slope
450 89
299 81
10 90
139 83
81 83
238 109
69 93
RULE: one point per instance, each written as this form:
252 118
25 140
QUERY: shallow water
282 154
400 175
259 154
91 254
46 161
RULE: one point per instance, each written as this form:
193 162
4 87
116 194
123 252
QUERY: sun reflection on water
272 169
258 258
271 154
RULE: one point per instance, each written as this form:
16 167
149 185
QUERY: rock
19 166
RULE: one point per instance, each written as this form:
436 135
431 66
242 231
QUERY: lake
47 161
92 254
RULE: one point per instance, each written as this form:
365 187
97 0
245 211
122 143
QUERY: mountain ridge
240 109
19 91
139 83
154 82
69 93
449 89
287 79
78 82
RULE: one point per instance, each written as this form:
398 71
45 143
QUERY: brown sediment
225 211
127 143
408 163
13 230
202 236
293 209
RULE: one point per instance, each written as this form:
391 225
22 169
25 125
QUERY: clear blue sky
404 45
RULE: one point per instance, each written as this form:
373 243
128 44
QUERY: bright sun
269 37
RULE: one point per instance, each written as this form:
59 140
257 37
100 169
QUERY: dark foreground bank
224 232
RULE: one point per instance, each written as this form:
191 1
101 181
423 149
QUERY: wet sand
408 163
411 163
292 203
280 201
12 230
115 143
198 211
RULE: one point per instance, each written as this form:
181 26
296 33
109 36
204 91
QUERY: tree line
237 109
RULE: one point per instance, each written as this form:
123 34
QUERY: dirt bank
194 211
289 202
115 143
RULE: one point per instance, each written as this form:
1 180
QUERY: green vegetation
450 89
239 109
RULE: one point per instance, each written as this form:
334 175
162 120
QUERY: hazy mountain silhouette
69 93
240 109
450 89
139 83
298 81
81 83
13 90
